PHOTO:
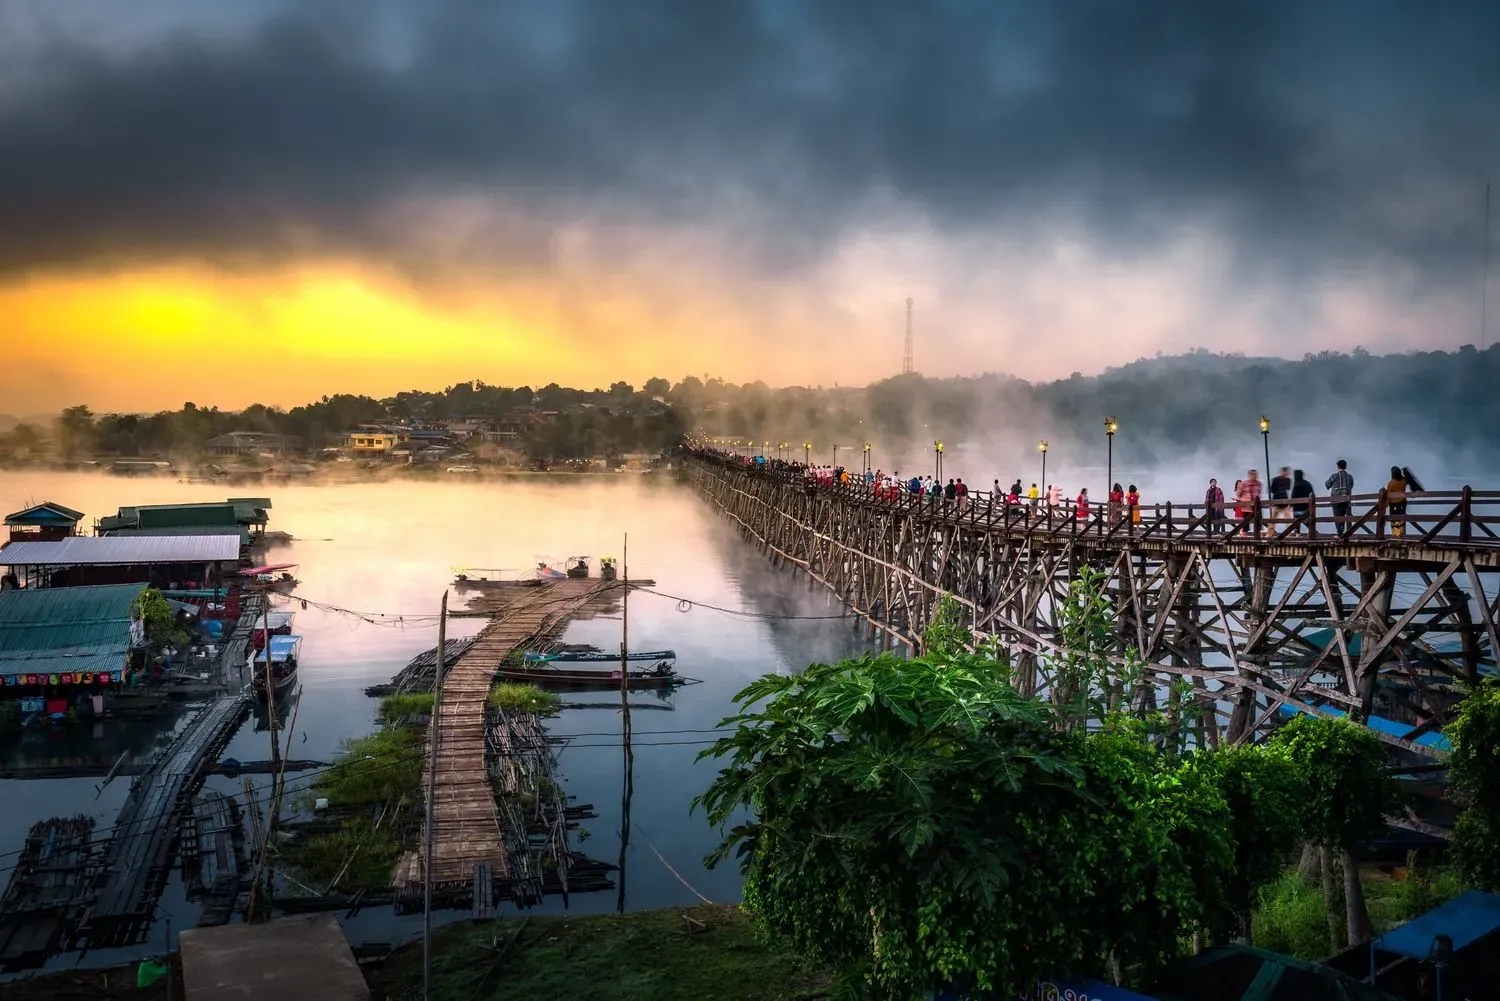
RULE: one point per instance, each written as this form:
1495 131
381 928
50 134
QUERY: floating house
167 562
55 639
43 522
245 517
256 443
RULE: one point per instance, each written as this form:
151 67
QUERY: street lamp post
1265 437
1110 427
1042 447
807 453
835 455
868 469
937 448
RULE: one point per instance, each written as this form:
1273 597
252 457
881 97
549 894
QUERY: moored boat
660 676
596 656
283 653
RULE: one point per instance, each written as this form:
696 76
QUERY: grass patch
521 698
380 773
1290 920
645 956
395 708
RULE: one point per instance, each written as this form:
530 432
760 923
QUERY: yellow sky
148 339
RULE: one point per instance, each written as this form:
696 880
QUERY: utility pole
628 761
1484 294
433 741
906 358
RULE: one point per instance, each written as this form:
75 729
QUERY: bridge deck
466 826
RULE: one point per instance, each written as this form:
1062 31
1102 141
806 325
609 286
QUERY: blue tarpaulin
1464 919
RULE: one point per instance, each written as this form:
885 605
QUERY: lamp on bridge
1110 427
1265 437
1042 447
763 446
807 453
835 455
782 449
867 468
937 448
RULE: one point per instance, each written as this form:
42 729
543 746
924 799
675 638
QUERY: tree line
1167 406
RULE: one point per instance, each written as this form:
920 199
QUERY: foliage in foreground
522 698
1475 776
919 825
158 620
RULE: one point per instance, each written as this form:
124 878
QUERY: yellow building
380 443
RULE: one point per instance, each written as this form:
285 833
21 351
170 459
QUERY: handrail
1425 518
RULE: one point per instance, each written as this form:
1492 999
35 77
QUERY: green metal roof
264 503
45 513
53 617
63 630
1245 973
185 515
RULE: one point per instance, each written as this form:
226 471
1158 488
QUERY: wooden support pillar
1262 579
1371 627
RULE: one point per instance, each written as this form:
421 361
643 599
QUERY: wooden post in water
433 742
627 789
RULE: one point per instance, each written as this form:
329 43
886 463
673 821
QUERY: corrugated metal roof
53 618
260 502
184 515
122 549
236 530
87 660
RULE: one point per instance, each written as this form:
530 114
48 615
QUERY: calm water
386 552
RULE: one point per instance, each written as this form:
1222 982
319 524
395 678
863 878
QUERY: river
378 557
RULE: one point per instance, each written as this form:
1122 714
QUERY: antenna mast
906 364
1484 287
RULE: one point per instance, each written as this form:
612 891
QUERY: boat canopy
283 648
269 568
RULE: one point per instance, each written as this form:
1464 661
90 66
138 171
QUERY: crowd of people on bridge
1286 506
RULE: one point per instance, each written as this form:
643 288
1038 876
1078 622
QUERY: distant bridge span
1384 623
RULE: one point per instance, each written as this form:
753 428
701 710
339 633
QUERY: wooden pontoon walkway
466 826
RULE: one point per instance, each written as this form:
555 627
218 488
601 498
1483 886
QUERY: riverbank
676 954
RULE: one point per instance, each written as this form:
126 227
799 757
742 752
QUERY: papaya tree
1474 777
1346 795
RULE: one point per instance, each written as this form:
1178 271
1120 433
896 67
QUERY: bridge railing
1455 517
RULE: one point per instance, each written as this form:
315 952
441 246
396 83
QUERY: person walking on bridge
950 493
1213 503
1340 491
1395 501
1081 506
1133 505
1249 499
1302 497
1281 492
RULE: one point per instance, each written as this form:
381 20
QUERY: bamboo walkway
466 825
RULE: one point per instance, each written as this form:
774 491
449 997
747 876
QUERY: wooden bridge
470 836
1377 615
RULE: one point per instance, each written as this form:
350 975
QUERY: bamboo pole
432 756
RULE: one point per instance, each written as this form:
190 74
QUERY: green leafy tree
75 432
158 620
919 824
1261 787
1346 795
1474 777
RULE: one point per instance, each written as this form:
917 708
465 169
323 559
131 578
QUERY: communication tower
906 363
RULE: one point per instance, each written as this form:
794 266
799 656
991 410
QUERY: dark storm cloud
1341 131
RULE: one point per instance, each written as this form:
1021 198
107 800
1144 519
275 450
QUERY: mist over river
387 551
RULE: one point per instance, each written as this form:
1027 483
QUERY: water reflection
375 559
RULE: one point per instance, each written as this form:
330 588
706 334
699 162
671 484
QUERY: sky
266 200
